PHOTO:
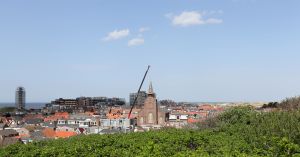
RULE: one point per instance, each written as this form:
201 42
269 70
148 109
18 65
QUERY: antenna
135 99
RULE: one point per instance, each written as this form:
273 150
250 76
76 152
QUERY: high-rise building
140 100
20 98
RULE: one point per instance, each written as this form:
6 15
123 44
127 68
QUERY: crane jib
135 99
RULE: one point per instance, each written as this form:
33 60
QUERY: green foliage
240 131
237 115
290 103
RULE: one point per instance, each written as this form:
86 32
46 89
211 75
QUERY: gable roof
8 141
8 132
37 135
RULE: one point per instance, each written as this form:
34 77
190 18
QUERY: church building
150 113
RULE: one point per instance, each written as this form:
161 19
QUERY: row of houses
60 125
179 117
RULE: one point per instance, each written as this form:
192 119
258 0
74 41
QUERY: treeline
6 110
292 103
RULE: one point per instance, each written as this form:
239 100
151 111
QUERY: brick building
150 113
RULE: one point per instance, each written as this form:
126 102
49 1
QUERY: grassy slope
237 132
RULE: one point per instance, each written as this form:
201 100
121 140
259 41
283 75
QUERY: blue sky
199 50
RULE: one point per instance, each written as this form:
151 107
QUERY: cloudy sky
199 50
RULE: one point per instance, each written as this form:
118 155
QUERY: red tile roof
50 133
65 134
57 115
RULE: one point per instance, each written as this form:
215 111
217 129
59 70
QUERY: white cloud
189 18
116 34
144 29
136 42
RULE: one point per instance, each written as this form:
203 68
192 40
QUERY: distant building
98 101
84 101
20 98
177 119
140 99
65 102
82 104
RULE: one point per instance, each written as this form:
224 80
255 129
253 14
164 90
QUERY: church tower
150 114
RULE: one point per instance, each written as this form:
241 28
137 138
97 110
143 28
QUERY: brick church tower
150 113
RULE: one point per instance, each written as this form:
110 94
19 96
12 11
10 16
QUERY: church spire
150 90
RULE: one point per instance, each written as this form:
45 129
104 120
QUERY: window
160 120
150 118
141 120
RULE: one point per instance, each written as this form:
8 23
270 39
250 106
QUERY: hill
240 131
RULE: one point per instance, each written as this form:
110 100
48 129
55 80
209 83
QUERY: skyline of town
128 100
64 118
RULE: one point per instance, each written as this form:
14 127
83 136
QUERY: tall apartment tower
20 98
